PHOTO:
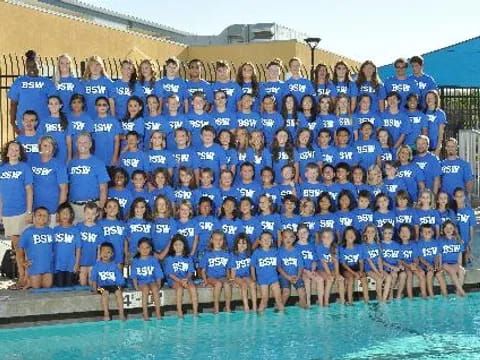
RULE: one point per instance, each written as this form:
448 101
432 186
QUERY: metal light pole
312 43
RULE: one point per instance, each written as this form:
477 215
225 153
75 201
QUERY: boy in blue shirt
106 279
210 154
424 82
401 83
231 88
197 84
171 83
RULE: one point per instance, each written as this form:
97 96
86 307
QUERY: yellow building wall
24 28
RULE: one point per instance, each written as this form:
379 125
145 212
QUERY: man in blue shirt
456 172
429 163
400 83
424 82
88 178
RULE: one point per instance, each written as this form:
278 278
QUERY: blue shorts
285 284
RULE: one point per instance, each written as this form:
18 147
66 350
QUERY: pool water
408 329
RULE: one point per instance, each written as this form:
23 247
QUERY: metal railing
469 150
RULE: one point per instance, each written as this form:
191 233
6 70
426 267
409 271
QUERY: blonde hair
56 76
94 59
141 78
430 195
371 169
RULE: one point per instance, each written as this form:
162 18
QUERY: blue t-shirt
195 122
271 122
212 157
290 222
78 124
136 229
308 253
429 250
162 231
38 246
252 228
159 159
435 118
66 87
371 116
465 220
430 216
265 263
425 83
193 86
146 271
51 126
241 263
290 261
391 253
349 88
13 180
409 252
226 120
455 173
345 219
412 175
114 231
373 253
31 93
173 122
121 92
430 166
230 228
451 250
364 217
328 155
405 216
381 219
216 263
166 87
368 151
128 125
396 124
352 257
47 178
124 197
324 254
104 132
190 229
418 122
206 224
180 266
403 87
251 121
30 145
66 242
299 88
327 88
94 88
133 160
91 239
277 89
377 94
348 154
106 274
85 177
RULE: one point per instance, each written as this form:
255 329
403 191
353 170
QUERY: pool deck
21 308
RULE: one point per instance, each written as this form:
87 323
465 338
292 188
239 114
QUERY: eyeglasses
102 105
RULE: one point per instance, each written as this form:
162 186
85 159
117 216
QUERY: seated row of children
298 258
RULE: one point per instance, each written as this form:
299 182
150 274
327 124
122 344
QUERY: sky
378 30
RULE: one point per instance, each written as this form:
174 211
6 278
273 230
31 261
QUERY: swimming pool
416 329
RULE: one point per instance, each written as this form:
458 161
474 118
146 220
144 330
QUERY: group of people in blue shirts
280 184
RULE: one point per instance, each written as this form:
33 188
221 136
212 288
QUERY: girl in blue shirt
215 270
310 265
163 227
365 113
118 190
404 213
326 212
250 226
78 120
226 140
147 276
132 121
383 214
426 212
385 140
35 251
228 222
430 258
323 85
263 267
306 152
437 121
66 83
97 84
187 187
368 82
352 259
291 116
373 261
139 225
344 84
56 125
207 223
67 247
283 153
418 120
132 158
290 268
452 247
106 133
188 226
268 220
160 183
466 221
147 77
443 207
257 153
29 92
410 172
345 117
158 156
247 79
329 268
391 263
153 121
91 235
179 270
271 119
309 118
409 260
326 118
240 271
114 230
297 85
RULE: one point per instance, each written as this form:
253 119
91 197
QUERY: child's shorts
108 288
285 284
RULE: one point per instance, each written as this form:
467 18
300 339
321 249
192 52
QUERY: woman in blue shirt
451 248
369 83
65 81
